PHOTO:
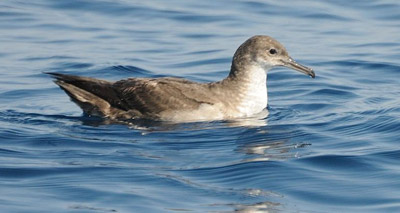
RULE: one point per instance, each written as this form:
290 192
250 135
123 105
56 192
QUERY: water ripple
327 143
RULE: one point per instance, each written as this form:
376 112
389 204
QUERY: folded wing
134 97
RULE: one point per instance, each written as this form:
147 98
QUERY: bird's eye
272 51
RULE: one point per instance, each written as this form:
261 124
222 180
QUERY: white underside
252 100
255 96
205 112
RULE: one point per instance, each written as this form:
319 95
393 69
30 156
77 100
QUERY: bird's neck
247 72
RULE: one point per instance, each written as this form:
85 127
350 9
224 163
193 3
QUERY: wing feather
152 96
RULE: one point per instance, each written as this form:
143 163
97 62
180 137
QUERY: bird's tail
92 95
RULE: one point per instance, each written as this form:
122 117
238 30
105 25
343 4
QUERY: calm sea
330 144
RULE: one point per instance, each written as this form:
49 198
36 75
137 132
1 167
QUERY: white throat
254 96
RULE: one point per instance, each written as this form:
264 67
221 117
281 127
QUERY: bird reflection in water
257 120
270 150
265 207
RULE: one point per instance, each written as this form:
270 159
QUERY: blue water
329 144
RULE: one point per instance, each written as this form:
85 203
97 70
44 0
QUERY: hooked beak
290 63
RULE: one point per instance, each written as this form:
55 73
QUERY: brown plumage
178 99
134 97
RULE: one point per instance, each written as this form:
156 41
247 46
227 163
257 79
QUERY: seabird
241 94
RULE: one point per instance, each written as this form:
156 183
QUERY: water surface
329 144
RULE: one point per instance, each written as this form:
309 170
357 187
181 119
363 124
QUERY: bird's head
266 52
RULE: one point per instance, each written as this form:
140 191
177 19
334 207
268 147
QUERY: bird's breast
253 95
253 101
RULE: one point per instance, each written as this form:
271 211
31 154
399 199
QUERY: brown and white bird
241 94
